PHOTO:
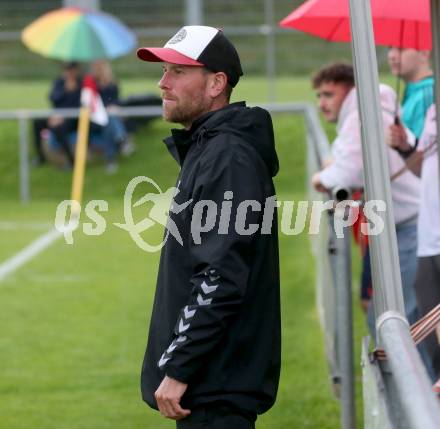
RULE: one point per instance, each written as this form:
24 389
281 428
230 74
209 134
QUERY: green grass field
74 320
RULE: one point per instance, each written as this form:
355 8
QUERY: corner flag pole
80 155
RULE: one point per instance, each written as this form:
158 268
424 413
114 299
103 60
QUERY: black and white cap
198 45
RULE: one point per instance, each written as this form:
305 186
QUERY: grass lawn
74 319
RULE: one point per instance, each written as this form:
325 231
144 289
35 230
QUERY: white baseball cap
198 45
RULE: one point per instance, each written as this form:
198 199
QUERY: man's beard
186 113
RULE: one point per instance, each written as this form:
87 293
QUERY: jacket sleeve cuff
178 374
325 176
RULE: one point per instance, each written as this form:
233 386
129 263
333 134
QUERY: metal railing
333 281
23 116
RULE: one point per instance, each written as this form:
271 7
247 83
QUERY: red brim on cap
166 55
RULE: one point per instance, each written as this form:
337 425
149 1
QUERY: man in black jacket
213 353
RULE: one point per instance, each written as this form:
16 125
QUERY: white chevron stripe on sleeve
181 339
182 327
163 360
188 313
202 301
171 348
208 289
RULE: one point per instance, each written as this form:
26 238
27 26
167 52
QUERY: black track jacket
216 315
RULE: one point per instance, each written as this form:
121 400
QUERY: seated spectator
65 93
111 137
114 134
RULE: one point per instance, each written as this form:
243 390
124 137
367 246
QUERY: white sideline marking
12 226
57 278
25 255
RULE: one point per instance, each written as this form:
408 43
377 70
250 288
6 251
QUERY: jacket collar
181 139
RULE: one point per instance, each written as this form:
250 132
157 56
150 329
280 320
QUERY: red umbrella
405 24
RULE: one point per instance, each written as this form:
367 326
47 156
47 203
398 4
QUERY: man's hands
397 139
316 183
168 396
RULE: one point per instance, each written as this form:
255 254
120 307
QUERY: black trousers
62 132
38 126
214 416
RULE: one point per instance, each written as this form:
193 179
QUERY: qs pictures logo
135 222
241 217
158 214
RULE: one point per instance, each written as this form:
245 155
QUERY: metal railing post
23 154
270 49
387 283
344 319
193 12
335 294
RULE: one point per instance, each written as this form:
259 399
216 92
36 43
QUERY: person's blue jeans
407 248
109 137
112 135
106 138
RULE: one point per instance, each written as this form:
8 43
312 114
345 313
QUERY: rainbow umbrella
75 34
